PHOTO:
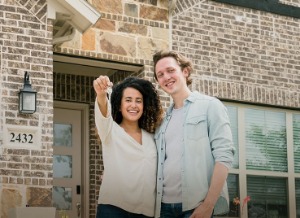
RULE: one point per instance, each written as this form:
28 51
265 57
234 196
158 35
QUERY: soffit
69 14
90 67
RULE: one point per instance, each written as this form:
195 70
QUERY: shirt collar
191 98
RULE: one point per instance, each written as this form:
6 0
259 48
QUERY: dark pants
174 211
109 211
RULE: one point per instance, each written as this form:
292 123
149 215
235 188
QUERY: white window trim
242 172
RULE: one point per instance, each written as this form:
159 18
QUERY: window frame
242 172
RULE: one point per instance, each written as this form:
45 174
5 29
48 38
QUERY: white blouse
129 168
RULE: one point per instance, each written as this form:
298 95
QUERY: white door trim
85 189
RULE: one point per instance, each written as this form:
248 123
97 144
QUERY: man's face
169 75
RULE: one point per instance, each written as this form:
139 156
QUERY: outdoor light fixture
27 97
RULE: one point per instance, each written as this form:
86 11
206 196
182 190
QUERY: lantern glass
27 97
27 102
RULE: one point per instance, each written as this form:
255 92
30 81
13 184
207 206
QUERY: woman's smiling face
131 105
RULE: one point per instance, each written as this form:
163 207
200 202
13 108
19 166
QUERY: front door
67 166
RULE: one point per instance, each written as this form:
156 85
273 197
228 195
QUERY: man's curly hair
152 112
181 60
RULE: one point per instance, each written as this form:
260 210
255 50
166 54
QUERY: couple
182 170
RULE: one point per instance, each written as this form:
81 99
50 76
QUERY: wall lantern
27 97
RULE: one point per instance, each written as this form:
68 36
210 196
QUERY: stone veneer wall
128 32
25 45
240 54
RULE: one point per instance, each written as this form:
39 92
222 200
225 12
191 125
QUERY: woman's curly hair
152 112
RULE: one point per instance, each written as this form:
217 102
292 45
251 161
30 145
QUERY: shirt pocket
196 127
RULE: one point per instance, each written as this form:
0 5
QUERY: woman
126 130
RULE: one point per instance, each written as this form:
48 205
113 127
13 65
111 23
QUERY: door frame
85 151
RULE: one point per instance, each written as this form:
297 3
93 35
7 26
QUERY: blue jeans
174 211
110 211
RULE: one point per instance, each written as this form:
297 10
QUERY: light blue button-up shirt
207 139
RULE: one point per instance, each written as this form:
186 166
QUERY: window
296 139
265 140
233 189
298 197
269 197
266 166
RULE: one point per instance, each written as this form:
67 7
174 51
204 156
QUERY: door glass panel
62 166
62 198
62 135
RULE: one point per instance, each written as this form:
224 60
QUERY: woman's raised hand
101 85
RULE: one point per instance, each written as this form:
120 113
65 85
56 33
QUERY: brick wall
240 54
25 44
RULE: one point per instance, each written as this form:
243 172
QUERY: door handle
78 206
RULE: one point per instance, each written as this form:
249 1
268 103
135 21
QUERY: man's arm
205 209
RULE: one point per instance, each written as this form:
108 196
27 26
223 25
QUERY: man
194 143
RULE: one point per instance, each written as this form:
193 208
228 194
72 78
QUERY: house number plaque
21 136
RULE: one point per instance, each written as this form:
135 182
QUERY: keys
109 91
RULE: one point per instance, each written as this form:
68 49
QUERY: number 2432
21 138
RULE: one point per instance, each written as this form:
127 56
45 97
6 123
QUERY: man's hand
203 211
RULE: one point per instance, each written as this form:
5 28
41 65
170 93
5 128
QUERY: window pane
62 135
233 189
298 197
296 137
232 113
62 198
266 147
62 166
268 197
